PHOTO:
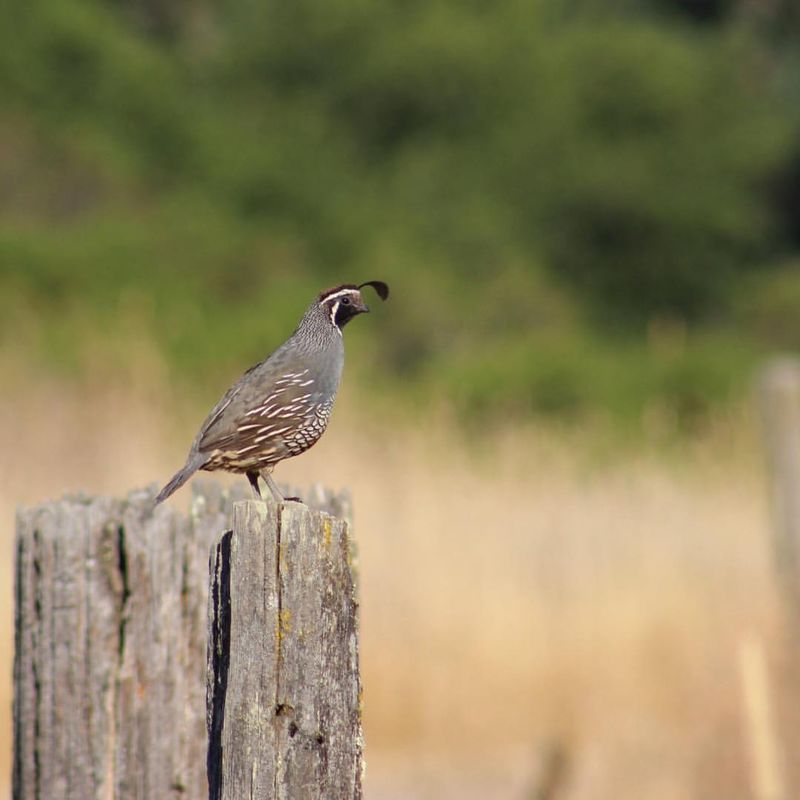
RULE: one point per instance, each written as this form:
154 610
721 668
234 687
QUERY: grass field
527 592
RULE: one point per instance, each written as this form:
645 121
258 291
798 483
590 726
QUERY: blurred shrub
654 209
538 181
770 308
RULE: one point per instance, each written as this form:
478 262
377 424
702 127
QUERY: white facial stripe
340 293
334 309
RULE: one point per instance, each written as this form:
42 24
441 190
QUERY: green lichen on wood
284 623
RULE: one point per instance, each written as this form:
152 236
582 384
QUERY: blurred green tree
531 174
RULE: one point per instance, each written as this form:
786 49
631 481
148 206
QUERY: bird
280 407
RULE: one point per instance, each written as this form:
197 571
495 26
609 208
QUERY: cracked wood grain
111 605
110 645
283 683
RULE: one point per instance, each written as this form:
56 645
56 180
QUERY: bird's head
342 303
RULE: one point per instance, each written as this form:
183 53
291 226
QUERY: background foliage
583 207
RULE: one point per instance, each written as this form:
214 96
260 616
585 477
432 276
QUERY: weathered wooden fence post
283 684
110 661
779 406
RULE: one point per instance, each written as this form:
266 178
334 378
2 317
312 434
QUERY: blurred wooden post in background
110 662
283 685
779 409
779 405
766 773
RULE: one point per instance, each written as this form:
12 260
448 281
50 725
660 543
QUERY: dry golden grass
512 600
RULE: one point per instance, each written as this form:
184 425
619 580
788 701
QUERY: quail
281 406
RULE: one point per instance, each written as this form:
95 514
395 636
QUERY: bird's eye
345 301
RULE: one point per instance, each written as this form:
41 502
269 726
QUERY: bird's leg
279 498
252 476
272 487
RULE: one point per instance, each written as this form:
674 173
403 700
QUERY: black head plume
379 286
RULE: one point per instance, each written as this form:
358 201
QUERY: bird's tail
178 479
